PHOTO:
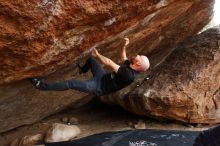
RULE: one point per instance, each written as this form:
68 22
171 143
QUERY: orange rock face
39 37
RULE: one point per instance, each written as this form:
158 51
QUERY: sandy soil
95 118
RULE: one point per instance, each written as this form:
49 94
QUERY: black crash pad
135 138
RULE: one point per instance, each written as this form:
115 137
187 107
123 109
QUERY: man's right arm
106 61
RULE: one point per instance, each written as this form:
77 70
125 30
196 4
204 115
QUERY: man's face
135 59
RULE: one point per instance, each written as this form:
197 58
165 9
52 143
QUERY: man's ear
138 63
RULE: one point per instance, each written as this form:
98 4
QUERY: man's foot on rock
36 82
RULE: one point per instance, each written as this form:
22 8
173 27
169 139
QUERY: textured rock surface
185 87
41 36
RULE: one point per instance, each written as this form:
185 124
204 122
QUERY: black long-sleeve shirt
112 82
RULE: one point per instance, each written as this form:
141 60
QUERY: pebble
70 120
73 121
140 125
65 119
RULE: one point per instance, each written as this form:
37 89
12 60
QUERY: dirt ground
96 117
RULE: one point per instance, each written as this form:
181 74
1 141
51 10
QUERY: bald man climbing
102 82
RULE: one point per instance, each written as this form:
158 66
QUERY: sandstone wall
39 37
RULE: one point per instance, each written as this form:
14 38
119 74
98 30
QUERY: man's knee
92 62
91 59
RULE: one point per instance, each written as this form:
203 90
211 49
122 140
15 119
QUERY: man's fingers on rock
126 39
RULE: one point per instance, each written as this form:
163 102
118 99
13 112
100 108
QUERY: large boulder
185 87
39 37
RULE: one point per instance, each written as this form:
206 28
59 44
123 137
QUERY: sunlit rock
39 37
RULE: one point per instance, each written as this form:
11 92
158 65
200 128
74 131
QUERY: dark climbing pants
89 86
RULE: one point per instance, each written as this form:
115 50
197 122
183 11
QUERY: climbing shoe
36 82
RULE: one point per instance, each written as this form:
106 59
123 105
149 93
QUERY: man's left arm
123 54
